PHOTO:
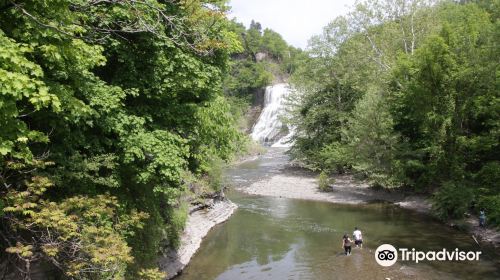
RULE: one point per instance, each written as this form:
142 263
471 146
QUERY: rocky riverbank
345 190
197 227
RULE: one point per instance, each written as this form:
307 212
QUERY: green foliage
425 105
253 39
273 43
154 233
488 177
452 201
84 236
372 142
407 95
114 104
491 205
320 119
220 140
439 94
177 220
215 177
488 191
264 59
324 182
152 274
246 72
246 76
335 157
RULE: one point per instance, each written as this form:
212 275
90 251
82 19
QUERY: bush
335 157
214 175
452 201
85 237
177 221
324 182
152 274
491 205
488 177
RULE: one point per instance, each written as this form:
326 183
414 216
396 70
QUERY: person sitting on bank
346 243
358 237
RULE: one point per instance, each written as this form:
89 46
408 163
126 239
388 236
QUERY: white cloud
295 20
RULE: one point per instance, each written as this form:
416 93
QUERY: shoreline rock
197 227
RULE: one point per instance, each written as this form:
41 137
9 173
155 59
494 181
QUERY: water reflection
276 238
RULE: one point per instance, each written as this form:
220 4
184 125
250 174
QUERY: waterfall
269 129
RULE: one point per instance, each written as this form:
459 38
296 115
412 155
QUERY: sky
295 20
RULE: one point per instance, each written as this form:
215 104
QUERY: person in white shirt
358 237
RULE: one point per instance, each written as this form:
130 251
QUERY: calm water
278 238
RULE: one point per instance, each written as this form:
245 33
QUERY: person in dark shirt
346 244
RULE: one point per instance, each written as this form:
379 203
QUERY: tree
372 142
274 44
438 95
253 39
422 99
112 104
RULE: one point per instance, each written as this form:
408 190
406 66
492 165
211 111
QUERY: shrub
324 182
83 236
488 177
214 175
491 205
152 274
452 201
177 218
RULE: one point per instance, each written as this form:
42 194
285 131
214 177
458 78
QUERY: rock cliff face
252 115
197 227
260 56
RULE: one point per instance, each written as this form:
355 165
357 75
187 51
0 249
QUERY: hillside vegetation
265 58
112 116
406 94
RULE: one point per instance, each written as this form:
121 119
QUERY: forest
116 116
406 95
112 113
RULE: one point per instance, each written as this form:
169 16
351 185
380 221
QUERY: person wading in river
358 237
346 243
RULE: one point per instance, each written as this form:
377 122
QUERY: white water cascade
268 128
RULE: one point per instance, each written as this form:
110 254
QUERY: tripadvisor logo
387 255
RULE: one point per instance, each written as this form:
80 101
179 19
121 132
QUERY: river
279 238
